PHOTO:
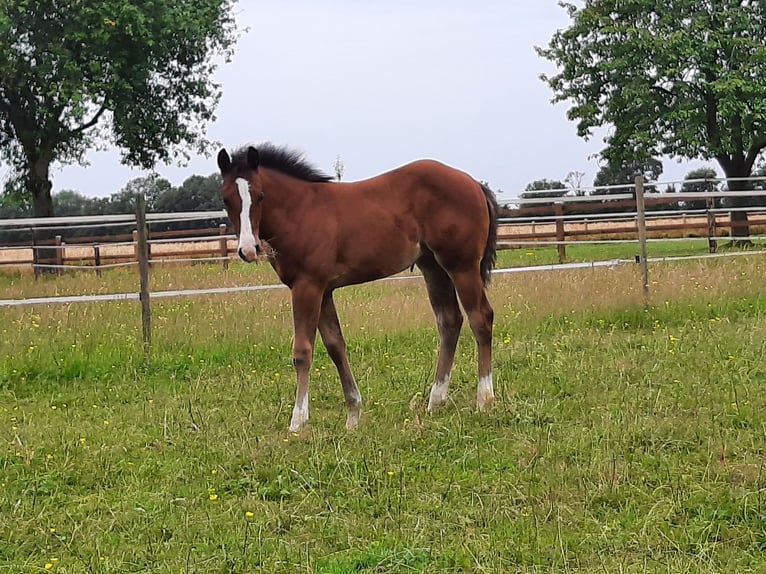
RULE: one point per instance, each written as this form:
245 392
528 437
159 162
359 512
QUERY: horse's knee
302 357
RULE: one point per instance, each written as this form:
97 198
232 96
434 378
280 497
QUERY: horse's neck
282 196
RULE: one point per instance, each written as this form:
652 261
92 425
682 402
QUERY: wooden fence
101 252
560 224
556 224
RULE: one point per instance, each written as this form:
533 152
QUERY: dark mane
289 161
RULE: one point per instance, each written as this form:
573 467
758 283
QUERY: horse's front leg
307 301
332 336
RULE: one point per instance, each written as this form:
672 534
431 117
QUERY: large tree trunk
39 186
740 226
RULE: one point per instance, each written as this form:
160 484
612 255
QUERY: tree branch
662 90
91 122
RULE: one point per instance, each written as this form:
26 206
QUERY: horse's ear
224 161
253 159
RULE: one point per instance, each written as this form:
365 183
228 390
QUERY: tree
70 202
77 75
338 167
541 188
545 188
680 78
196 193
691 186
12 208
153 187
574 181
625 172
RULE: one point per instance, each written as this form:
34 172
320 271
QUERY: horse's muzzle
250 254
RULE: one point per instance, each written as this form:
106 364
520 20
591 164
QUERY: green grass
623 439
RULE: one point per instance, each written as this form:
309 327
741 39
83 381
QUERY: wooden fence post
97 258
59 255
560 233
223 245
142 248
35 253
712 232
641 222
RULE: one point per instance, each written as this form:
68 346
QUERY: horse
320 234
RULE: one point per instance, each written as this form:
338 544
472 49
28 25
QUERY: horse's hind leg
332 337
449 320
470 289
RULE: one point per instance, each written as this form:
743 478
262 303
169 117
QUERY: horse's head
243 197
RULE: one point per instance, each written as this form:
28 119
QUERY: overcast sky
380 84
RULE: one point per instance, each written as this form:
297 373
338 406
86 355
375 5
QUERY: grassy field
623 439
18 283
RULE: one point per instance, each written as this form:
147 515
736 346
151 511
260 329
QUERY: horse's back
427 182
448 205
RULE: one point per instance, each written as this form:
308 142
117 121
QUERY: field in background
623 438
18 283
524 234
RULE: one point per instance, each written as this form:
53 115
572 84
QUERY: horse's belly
381 260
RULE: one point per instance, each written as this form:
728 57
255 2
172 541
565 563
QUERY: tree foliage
692 184
625 172
542 188
78 75
196 193
545 188
684 78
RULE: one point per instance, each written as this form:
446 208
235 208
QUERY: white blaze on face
247 241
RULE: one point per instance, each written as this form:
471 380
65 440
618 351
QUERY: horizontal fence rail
606 214
635 217
559 222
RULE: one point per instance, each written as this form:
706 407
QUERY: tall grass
624 438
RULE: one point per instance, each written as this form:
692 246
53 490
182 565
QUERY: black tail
490 251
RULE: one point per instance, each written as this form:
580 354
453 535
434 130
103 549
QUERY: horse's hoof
353 419
485 394
438 396
484 401
297 423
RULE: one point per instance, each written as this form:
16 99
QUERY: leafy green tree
78 75
196 193
677 78
691 186
542 188
70 202
625 172
153 187
545 188
11 208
